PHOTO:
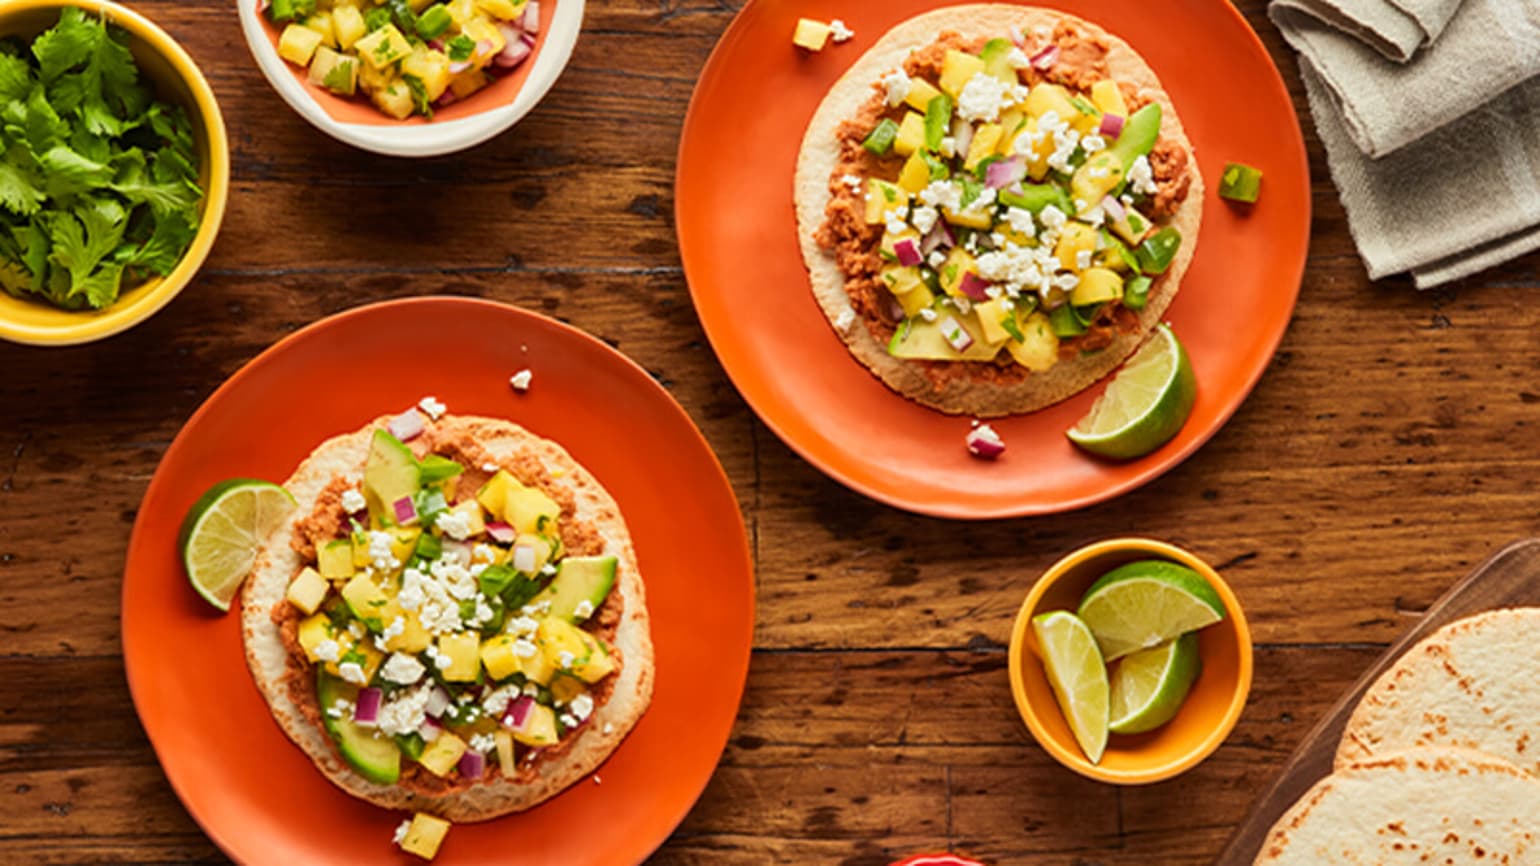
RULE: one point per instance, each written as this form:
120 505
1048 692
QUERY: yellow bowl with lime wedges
1130 661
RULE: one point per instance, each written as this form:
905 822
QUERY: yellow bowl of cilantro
114 170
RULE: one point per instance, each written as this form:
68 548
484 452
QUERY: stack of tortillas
1440 762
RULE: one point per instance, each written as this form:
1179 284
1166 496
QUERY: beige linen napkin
1395 28
1437 160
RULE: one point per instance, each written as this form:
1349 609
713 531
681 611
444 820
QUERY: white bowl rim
430 139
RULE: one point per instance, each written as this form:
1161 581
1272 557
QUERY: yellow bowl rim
1072 758
120 317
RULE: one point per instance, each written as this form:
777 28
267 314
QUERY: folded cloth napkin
1437 159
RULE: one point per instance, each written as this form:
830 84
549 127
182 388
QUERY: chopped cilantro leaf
460 48
419 95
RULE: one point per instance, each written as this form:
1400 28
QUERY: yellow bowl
176 79
1206 717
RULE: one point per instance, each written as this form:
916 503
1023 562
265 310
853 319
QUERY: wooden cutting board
1510 578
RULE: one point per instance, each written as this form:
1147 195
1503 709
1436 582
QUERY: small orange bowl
1207 716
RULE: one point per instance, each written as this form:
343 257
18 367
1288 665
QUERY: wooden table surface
1387 450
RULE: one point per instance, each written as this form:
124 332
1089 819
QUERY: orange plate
738 239
255 793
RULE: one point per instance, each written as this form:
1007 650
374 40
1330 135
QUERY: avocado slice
920 340
579 579
1036 196
1138 136
391 473
376 758
996 57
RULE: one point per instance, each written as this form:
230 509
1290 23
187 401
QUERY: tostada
452 621
996 205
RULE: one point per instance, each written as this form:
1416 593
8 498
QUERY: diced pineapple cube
887 247
1108 98
335 558
492 493
312 631
1094 179
958 263
461 11
539 729
367 601
882 197
810 34
921 92
901 280
432 69
404 542
321 22
528 509
1097 285
498 657
441 755
915 174
1074 238
471 509
308 590
1039 348
464 651
985 139
489 40
361 653
505 754
993 316
911 134
395 99
1045 97
383 47
424 835
957 68
338 73
980 218
1132 226
507 10
467 82
537 668
413 637
298 43
573 651
920 299
348 26
543 549
564 688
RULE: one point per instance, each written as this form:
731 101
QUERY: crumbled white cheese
985 96
1066 281
928 314
497 700
353 501
431 407
1052 217
328 651
547 570
1091 144
1141 179
937 258
339 708
896 86
525 648
853 183
925 218
1020 220
565 659
942 194
520 381
846 318
582 706
455 524
585 608
948 146
568 720
839 31
609 728
522 626
531 690
402 669
1017 59
1082 260
981 202
482 743
404 713
380 555
352 672
402 829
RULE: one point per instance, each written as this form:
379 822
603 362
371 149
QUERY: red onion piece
1046 58
531 20
446 98
908 252
1113 208
406 426
473 764
974 287
524 558
1003 172
528 38
984 443
518 712
438 702
512 54
366 711
1018 38
1112 126
430 729
955 334
939 237
406 511
502 532
436 44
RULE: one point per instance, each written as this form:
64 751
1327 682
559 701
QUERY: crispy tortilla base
345 456
820 153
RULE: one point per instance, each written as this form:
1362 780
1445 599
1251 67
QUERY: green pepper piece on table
880 139
1240 182
1157 251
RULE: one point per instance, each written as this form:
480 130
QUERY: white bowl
416 137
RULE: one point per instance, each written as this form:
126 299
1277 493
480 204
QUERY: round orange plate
256 794
738 239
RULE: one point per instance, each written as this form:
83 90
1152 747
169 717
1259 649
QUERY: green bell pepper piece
880 139
938 120
1157 251
433 21
1065 322
1036 196
1136 292
1240 182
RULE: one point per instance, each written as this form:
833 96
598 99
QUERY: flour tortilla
820 154
1471 684
612 719
1445 806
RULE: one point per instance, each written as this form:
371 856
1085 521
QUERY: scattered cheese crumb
353 501
352 672
896 85
432 407
328 651
401 830
847 317
520 380
839 31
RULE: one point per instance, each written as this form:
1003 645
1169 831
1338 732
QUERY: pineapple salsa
407 56
453 625
1000 204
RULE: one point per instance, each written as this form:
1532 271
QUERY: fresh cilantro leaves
98 181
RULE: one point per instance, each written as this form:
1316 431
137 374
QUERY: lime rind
1145 405
1148 687
1078 676
222 532
1144 604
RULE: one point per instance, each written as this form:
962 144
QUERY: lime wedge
223 530
1148 686
1144 604
1078 676
1144 405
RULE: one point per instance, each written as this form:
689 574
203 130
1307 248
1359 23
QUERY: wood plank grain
1510 578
